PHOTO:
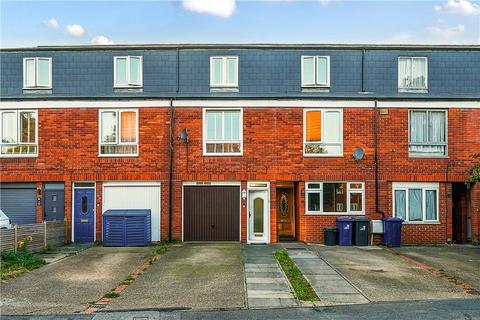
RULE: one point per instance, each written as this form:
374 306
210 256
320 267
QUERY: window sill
324 89
306 155
117 155
334 213
405 90
224 89
421 222
37 91
128 89
16 156
223 154
426 156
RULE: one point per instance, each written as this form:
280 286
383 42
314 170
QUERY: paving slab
69 285
384 276
329 285
266 284
194 275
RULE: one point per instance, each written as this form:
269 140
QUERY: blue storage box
126 227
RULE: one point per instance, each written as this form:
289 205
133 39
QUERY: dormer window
316 71
37 73
128 72
224 72
412 74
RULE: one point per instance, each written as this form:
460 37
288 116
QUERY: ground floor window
415 202
335 197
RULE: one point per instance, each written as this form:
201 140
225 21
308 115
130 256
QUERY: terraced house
251 143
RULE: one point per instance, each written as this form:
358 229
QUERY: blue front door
84 215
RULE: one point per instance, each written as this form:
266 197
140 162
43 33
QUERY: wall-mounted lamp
184 135
244 194
302 192
449 193
39 191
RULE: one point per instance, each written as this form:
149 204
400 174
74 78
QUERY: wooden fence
36 236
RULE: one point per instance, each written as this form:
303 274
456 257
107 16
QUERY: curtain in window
308 71
313 126
129 127
404 70
419 73
415 205
418 130
431 203
9 127
109 125
232 125
400 205
27 127
437 131
332 132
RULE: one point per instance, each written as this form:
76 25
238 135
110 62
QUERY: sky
32 23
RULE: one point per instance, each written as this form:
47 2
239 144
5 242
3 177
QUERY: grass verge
303 290
13 264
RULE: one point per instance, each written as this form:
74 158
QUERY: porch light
244 194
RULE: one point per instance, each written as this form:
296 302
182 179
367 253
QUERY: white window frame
407 88
424 186
37 86
322 133
426 155
117 134
316 84
17 142
204 133
129 84
349 191
224 83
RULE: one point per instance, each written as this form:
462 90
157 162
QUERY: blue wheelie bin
345 231
392 232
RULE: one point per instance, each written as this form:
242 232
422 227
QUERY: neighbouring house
250 143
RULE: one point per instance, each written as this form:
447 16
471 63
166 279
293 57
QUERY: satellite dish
358 154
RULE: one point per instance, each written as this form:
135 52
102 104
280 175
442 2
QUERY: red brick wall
272 140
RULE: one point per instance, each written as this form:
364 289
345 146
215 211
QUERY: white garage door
134 195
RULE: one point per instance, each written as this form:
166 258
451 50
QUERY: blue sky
235 21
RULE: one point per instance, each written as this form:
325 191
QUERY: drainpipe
375 132
170 176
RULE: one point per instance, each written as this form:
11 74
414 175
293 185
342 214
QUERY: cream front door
258 216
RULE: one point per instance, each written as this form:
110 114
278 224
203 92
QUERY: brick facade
272 144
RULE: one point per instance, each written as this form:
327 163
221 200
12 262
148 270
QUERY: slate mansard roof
265 71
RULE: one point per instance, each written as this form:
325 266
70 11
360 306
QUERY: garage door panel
19 204
211 213
135 197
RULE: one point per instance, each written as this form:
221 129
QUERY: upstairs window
315 71
335 197
322 132
118 132
37 73
427 133
224 71
19 133
222 132
415 202
128 72
412 73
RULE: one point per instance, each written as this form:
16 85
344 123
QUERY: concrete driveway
69 285
460 261
384 276
194 275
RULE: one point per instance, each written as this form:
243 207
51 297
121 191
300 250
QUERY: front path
266 283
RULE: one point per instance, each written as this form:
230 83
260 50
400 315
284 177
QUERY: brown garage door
211 213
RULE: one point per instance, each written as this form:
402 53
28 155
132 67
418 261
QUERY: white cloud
101 40
446 33
465 7
324 3
74 30
219 8
51 24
